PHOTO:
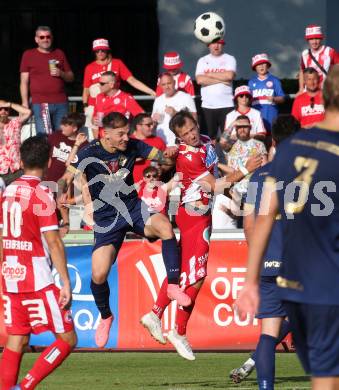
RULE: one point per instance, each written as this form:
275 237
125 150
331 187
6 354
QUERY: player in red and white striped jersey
30 243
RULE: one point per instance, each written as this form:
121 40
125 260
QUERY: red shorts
195 231
35 312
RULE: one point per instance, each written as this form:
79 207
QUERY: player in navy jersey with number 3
108 167
274 327
304 179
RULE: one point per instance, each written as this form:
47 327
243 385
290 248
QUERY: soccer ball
209 27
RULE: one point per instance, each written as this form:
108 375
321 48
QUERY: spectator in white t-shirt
215 73
167 104
242 102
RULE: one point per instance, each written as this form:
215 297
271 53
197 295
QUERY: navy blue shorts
271 305
113 230
315 330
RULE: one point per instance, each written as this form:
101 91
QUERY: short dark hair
114 120
243 117
109 73
150 169
179 119
34 152
168 74
284 126
139 118
331 89
74 119
310 70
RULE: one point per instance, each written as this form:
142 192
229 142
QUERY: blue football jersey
110 176
272 257
306 169
270 86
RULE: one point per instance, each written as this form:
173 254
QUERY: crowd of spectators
238 122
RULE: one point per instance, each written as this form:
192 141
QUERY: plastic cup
100 117
52 65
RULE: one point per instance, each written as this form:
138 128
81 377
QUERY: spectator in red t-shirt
143 127
112 99
43 72
308 107
65 144
104 62
173 65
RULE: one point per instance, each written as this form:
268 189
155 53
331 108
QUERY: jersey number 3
307 167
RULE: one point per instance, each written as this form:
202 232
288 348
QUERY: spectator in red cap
104 62
308 107
173 65
215 73
317 56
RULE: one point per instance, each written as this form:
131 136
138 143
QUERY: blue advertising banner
85 314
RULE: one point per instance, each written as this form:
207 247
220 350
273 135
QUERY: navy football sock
170 254
265 362
101 296
284 330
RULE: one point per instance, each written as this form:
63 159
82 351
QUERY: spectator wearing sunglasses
105 62
10 135
112 99
143 127
242 103
308 107
152 191
43 73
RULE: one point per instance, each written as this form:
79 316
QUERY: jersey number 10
12 217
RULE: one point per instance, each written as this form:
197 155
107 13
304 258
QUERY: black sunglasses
149 176
101 83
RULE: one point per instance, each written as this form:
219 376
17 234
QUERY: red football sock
184 313
48 361
9 368
162 301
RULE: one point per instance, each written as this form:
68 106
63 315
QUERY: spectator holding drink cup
43 73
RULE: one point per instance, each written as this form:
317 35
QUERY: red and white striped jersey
192 165
27 211
326 56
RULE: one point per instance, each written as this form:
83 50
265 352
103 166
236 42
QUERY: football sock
265 362
170 254
184 313
101 296
9 368
284 331
47 362
162 301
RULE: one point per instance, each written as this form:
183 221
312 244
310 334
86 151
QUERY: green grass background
153 371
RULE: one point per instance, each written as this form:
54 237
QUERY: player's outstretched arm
63 184
248 300
57 251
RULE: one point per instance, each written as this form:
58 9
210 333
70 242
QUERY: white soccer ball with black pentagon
209 27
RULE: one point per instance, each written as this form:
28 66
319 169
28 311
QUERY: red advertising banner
213 324
140 272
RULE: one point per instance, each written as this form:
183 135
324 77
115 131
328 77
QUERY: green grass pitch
153 371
